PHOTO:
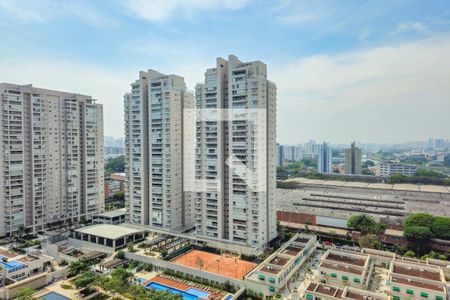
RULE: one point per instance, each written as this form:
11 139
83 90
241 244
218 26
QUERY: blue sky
374 71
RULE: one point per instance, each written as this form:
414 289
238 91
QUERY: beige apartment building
236 153
51 160
154 133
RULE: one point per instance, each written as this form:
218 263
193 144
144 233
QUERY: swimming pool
140 280
53 296
189 294
11 266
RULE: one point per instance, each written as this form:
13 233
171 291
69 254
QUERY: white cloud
297 19
46 10
156 10
411 27
17 10
384 94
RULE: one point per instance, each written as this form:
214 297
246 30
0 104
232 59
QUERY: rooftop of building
324 289
118 176
291 250
352 260
375 252
279 261
269 269
358 294
276 262
113 213
341 268
30 87
416 283
385 186
438 262
418 271
108 231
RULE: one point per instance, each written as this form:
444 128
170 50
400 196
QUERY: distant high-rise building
310 147
447 160
237 154
51 163
430 143
439 144
280 155
292 153
353 157
324 159
154 133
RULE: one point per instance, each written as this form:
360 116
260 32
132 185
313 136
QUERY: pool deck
183 287
56 287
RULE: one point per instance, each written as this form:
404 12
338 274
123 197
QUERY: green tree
420 235
86 279
369 241
122 274
397 178
441 227
119 196
120 254
115 165
423 220
409 253
363 223
78 267
429 173
25 294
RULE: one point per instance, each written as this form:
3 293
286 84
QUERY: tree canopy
25 294
438 226
418 234
78 267
115 165
365 224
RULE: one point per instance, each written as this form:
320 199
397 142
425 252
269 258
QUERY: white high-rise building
51 162
236 153
324 159
154 133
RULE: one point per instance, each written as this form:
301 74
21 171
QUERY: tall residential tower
51 160
324 159
236 153
154 132
353 160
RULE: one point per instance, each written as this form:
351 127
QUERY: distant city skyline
367 71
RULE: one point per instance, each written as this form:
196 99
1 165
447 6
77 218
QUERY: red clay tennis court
214 263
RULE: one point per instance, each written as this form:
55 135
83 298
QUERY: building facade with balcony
154 141
235 162
51 160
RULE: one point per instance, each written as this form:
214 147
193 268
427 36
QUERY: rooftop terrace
341 268
416 271
363 295
416 283
352 260
291 250
279 261
325 290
